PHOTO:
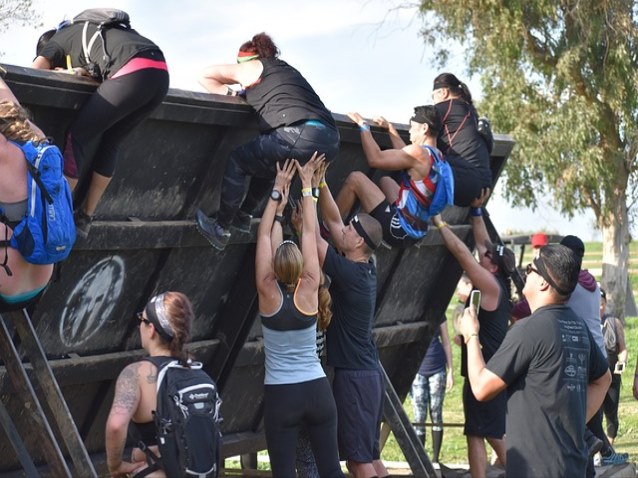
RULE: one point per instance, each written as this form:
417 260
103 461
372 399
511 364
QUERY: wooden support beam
16 442
405 435
26 394
52 394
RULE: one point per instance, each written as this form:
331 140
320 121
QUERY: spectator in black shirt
555 375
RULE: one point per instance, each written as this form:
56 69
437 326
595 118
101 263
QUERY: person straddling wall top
459 139
553 371
293 123
133 81
425 188
358 384
296 391
27 281
490 275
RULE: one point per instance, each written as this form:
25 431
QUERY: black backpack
102 18
187 421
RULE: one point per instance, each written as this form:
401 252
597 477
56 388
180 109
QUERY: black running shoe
242 221
215 233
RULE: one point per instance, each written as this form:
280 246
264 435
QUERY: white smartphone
620 367
475 300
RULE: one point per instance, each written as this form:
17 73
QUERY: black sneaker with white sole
217 235
242 221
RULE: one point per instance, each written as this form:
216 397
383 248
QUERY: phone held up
475 300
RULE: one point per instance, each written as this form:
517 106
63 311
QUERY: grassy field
454 446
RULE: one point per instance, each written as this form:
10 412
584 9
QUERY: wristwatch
276 195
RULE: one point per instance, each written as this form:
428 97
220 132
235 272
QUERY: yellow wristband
322 184
306 192
442 225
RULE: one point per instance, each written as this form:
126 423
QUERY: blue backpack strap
444 194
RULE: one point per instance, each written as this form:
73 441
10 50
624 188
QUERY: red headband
243 56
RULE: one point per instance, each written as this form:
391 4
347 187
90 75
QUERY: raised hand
297 217
285 174
319 174
356 118
478 202
307 170
382 122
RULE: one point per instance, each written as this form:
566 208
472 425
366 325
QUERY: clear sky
359 55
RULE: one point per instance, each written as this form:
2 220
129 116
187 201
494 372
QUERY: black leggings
109 115
468 181
258 159
286 408
610 405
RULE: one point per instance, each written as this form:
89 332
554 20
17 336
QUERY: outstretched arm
328 209
264 254
311 269
395 138
215 77
480 277
478 224
390 159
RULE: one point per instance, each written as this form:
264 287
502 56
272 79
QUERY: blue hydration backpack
46 233
418 208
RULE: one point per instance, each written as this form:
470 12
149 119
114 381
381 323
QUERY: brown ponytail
262 45
180 315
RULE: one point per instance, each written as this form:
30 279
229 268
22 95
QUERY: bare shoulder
416 151
127 389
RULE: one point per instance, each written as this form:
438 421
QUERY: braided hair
14 124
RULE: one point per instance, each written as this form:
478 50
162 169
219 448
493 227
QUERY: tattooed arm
125 403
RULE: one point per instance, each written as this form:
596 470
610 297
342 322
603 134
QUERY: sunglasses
530 268
142 319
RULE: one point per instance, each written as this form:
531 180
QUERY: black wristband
280 219
476 211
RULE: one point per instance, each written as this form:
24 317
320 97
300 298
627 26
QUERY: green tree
17 12
561 78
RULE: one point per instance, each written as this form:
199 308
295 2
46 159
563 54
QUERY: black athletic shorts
484 419
393 234
359 398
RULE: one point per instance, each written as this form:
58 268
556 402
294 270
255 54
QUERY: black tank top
459 137
493 325
288 317
282 97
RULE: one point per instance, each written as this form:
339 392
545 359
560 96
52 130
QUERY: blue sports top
290 344
420 199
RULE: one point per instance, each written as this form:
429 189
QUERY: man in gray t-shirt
555 375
